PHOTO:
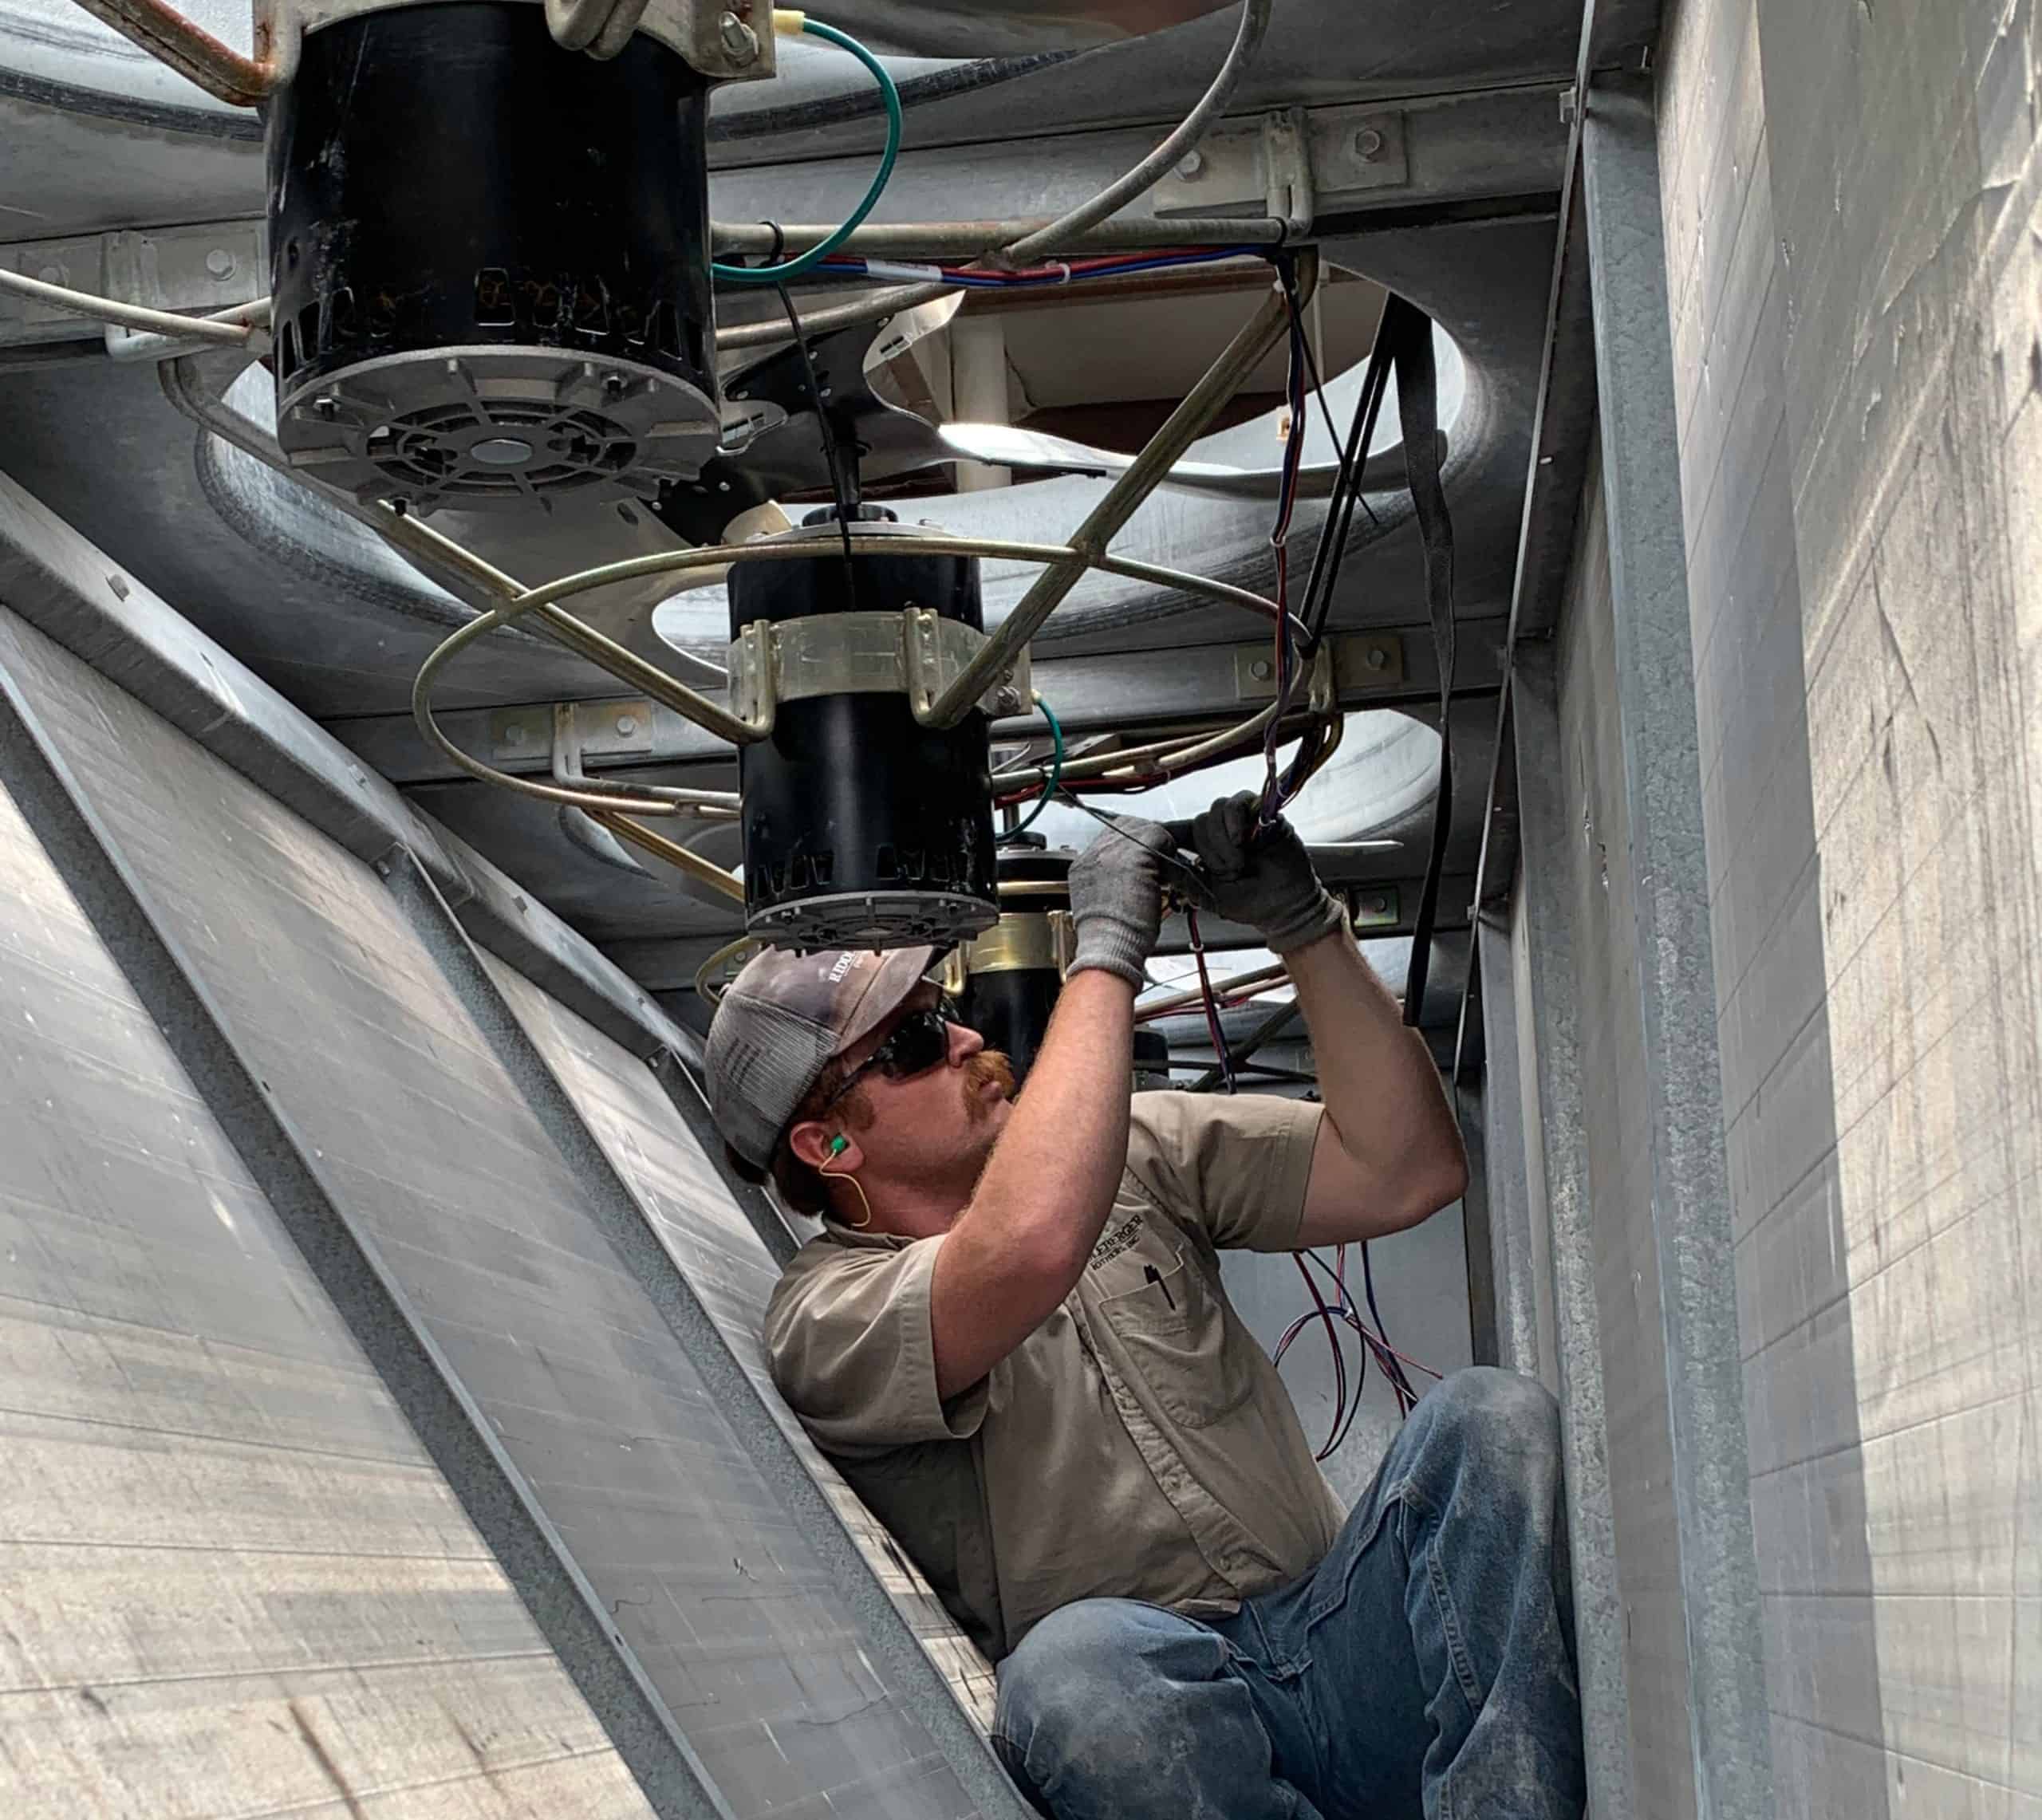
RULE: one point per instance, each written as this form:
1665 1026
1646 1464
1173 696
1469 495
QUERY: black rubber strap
1408 331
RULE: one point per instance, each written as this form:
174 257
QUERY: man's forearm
1023 1238
1381 1093
1053 1172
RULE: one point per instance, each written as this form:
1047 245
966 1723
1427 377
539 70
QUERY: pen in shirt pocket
1156 1277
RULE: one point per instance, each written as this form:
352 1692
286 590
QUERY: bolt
53 275
324 406
1376 658
612 385
513 736
1368 142
1567 103
1378 906
221 263
1262 669
626 726
1191 166
740 42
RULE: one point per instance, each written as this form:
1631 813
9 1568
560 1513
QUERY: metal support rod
912 1677
1205 400
966 241
874 306
448 1422
479 583
704 870
413 535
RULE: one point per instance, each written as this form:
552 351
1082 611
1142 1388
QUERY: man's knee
1489 1412
1092 1671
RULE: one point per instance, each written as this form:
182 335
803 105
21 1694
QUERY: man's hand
1262 876
1117 897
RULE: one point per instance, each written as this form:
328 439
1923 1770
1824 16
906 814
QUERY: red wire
1212 1008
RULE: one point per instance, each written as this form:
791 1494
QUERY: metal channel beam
1091 694
1591 1519
737 1397
1691 1213
446 1418
1455 149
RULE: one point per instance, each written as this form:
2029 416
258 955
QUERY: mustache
988 1066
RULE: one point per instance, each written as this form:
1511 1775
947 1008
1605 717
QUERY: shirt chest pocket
1173 1330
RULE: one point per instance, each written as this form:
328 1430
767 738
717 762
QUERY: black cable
1394 1366
840 488
1318 603
1332 550
1333 432
1409 333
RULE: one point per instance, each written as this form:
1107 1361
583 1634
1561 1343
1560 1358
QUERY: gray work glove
1117 897
1260 876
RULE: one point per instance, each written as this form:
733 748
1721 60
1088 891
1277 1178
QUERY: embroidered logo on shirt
1120 1239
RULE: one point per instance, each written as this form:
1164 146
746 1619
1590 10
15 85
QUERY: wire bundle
1275 792
1342 1312
979 277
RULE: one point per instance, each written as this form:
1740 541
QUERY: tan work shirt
1137 1445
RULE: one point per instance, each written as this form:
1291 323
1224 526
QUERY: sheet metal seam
449 1423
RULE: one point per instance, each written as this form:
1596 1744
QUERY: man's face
936 1128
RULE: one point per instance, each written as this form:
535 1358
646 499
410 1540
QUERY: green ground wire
794 267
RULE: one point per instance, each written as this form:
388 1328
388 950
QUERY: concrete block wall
1853 197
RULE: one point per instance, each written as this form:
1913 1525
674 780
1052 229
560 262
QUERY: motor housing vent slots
489 261
863 828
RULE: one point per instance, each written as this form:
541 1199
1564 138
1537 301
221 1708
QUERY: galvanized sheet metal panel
1615 1121
232 1581
684 1198
1855 201
356 1031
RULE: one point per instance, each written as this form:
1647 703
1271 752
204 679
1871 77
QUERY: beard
988 1066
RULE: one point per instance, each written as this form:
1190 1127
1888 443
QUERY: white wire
228 333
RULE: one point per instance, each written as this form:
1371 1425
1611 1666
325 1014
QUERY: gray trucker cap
781 1020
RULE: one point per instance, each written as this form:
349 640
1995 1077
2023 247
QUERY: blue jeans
1425 1666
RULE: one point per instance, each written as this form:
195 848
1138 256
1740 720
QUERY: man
1013 1337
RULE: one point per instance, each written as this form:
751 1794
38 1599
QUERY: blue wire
794 267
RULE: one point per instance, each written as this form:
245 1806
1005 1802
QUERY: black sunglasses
919 1041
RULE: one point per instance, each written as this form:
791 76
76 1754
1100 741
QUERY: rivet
1368 142
1262 669
220 263
1376 658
